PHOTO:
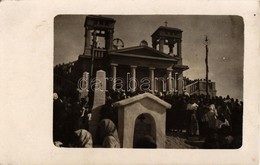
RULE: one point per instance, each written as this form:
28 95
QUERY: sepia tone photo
148 81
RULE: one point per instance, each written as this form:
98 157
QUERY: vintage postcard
172 83
177 84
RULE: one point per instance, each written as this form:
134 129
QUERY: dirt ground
177 141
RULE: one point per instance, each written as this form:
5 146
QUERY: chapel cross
166 23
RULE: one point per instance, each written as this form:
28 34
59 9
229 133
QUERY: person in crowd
222 122
160 95
221 138
123 96
212 118
107 111
58 143
191 109
175 117
108 136
59 116
182 114
68 124
76 115
212 141
171 117
193 123
82 139
202 118
188 117
80 114
85 113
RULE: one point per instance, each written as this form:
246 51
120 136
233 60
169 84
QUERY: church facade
134 68
140 68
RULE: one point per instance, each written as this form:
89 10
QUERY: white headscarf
212 108
83 139
55 96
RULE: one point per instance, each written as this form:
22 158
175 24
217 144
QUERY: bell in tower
98 29
170 37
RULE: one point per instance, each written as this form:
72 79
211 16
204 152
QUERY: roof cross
166 23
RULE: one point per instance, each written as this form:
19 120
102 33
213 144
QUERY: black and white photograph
148 81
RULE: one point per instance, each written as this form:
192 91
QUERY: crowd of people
71 125
216 120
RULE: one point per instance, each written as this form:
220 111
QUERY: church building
133 68
156 68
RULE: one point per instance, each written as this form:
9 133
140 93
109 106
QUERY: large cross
166 23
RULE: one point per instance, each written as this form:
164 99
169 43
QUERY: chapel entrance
144 126
140 115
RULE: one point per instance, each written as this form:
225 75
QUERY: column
179 50
154 44
109 39
84 85
161 44
151 77
176 84
113 70
180 83
133 78
169 79
87 42
171 49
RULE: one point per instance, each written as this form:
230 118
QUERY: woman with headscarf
82 139
108 135
212 118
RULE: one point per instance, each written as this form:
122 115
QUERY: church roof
143 52
100 17
182 67
165 28
139 97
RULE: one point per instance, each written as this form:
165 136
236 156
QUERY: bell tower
168 40
101 27
168 36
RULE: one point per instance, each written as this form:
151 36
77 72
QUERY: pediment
151 97
143 51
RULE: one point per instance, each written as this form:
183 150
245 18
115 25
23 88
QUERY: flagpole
207 67
92 55
91 92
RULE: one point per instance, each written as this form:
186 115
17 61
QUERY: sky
225 34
